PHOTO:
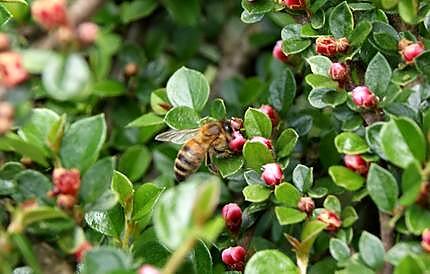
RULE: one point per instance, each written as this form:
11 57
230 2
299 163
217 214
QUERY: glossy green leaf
257 123
411 184
286 142
295 46
349 216
350 143
341 21
409 265
332 203
228 166
378 75
148 119
282 90
256 155
144 201
270 261
303 177
360 33
218 110
382 187
287 195
371 250
134 10
122 186
256 193
259 7
287 216
346 178
109 223
423 63
417 219
105 259
319 65
408 10
135 162
182 118
326 97
339 249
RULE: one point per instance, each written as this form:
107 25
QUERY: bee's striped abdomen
189 159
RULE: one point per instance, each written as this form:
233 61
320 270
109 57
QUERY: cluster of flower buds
363 97
148 269
50 14
12 71
425 240
331 219
272 174
409 50
329 46
295 4
6 117
232 215
81 250
234 257
357 164
306 205
66 186
278 53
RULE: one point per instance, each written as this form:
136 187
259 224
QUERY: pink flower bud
272 174
50 14
148 269
264 141
338 71
4 42
425 241
87 32
363 97
272 113
356 163
295 4
278 53
236 123
326 45
307 205
237 142
12 71
331 219
234 257
412 51
232 215
66 181
81 250
66 201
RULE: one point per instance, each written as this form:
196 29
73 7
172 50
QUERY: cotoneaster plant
325 115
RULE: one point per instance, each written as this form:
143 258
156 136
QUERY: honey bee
204 143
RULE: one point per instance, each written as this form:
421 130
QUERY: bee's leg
208 160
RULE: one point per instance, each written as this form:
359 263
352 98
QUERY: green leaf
202 259
341 21
186 12
66 78
35 60
287 195
102 260
332 203
132 11
371 250
82 142
409 265
207 201
32 184
256 193
218 110
382 187
360 33
389 4
34 152
109 223
135 162
148 119
320 81
122 186
411 184
251 18
401 250
303 177
5 15
257 123
403 142
144 201
286 142
256 155
422 63
339 249
258 7
326 97
108 88
159 101
378 75
350 143
187 87
270 261
295 46
96 181
373 138
319 65
287 216
282 90
346 178
309 233
408 10
349 216
228 166
417 219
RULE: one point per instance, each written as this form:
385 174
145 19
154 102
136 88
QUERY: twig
179 255
387 236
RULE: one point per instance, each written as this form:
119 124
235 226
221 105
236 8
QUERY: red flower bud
425 242
234 257
264 141
232 215
66 201
50 14
278 53
331 219
412 51
4 42
295 4
12 71
342 45
87 32
66 181
148 269
326 45
356 163
236 123
338 71
237 142
81 250
272 174
272 113
363 97
307 205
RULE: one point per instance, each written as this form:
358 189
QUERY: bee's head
227 128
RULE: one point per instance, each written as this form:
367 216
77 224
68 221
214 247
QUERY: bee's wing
177 136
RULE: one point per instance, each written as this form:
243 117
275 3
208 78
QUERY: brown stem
387 236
